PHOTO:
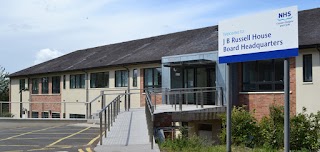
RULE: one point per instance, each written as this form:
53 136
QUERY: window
307 68
152 78
121 78
55 115
22 83
44 114
45 85
35 86
56 85
35 114
77 116
134 78
99 80
77 81
265 75
64 81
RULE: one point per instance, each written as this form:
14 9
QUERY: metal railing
149 110
108 113
57 109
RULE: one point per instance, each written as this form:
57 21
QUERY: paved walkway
128 133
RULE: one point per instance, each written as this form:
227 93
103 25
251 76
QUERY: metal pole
202 98
125 101
175 102
20 103
89 111
102 99
105 123
100 116
114 112
1 108
109 118
286 105
155 100
197 98
65 108
180 101
111 115
229 107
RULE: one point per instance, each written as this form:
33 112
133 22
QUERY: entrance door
189 82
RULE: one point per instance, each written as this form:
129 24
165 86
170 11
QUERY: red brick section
142 94
260 103
40 107
164 120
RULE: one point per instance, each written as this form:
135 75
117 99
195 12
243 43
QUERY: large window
121 78
56 85
134 78
99 80
22 83
44 85
77 81
35 86
152 78
265 75
307 68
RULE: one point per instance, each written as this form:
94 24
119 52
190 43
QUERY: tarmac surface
47 137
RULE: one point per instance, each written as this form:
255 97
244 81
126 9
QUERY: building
185 59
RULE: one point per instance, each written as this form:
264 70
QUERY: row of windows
97 80
267 75
35 114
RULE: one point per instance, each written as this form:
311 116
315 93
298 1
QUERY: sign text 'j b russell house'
261 36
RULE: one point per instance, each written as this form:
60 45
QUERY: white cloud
45 55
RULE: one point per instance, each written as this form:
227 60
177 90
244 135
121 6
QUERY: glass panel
124 75
45 85
82 81
278 67
93 80
35 86
106 80
265 70
307 68
148 78
56 84
72 81
22 84
134 78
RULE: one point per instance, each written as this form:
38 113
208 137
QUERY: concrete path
128 133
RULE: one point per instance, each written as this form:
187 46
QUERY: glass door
189 82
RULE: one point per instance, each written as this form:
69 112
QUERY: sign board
262 36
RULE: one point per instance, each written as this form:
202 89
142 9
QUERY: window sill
307 83
279 92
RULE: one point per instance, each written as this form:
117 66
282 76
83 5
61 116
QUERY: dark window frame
155 71
99 76
256 83
307 68
135 78
35 86
64 81
123 75
45 85
56 86
22 84
79 81
45 114
55 115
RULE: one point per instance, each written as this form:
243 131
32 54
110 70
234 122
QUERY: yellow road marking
88 149
80 150
41 149
68 137
19 145
47 138
93 140
30 132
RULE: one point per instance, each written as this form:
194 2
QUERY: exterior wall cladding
45 98
142 94
259 103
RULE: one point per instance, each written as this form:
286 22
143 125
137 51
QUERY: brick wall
158 97
260 102
45 107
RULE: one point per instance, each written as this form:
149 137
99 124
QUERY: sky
34 31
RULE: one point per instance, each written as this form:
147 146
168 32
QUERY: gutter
127 107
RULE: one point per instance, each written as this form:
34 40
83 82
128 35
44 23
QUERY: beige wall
307 92
77 96
15 96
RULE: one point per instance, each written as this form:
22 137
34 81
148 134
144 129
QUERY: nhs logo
284 16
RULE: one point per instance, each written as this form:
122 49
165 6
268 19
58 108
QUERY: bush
244 130
6 114
193 143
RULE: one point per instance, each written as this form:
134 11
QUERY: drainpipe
87 94
128 91
318 48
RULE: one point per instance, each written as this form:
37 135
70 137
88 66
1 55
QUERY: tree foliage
4 84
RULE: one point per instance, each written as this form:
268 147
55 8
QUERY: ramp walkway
128 133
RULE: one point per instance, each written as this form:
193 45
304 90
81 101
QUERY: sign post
262 36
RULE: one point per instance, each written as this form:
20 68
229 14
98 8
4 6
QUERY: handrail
149 110
95 99
113 110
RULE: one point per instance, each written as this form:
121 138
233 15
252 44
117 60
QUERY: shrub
244 130
6 114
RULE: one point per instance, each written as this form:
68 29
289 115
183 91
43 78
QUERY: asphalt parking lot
47 137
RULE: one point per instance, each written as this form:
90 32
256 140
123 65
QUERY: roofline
86 69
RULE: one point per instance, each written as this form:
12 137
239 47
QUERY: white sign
261 36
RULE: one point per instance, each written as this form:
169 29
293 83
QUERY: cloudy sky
33 31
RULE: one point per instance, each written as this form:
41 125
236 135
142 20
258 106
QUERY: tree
4 84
